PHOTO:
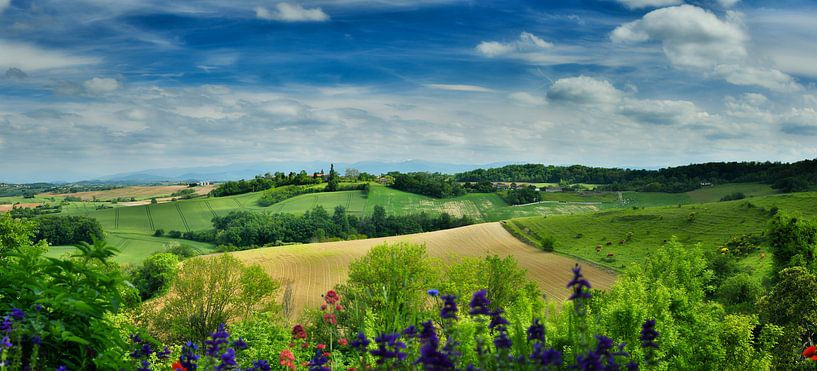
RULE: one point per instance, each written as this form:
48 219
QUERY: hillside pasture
710 224
311 269
135 247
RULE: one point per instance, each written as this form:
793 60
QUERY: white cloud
527 42
458 87
728 3
768 78
801 122
690 36
526 98
286 12
695 39
638 4
661 112
33 58
4 4
100 85
584 90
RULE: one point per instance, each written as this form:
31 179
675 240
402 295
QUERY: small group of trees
245 229
262 182
522 195
429 184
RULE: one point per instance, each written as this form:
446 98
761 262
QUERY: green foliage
208 292
76 294
429 184
265 334
522 195
791 305
739 293
792 241
733 196
155 276
66 230
391 283
548 243
669 286
504 280
159 232
276 195
260 183
742 245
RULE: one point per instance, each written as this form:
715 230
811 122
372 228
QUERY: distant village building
202 183
553 189
502 186
384 180
706 184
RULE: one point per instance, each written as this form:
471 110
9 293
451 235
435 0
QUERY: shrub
548 243
159 232
155 276
739 293
733 196
208 292
391 280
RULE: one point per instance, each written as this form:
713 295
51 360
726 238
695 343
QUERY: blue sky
89 88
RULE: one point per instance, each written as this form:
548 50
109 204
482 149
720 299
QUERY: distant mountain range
250 170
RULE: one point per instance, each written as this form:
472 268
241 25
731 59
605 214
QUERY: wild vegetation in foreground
398 308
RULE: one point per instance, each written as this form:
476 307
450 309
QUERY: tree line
787 177
244 229
429 184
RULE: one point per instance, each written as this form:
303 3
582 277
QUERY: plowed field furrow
315 268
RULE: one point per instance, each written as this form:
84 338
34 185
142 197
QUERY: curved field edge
311 269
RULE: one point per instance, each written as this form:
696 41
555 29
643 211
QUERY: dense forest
788 177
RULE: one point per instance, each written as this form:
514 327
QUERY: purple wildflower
388 347
480 305
36 340
38 307
217 339
317 363
430 357
190 356
6 325
536 331
145 366
497 320
360 343
546 356
227 360
259 365
648 334
18 314
6 343
62 368
449 309
135 338
433 292
163 354
502 341
146 350
240 344
579 285
410 332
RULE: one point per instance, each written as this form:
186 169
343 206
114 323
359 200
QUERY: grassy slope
712 225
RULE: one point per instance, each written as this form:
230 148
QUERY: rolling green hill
710 224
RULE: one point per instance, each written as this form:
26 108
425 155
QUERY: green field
130 228
135 247
711 226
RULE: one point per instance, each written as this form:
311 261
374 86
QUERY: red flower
321 346
327 354
810 353
305 345
339 307
343 342
178 366
287 359
323 307
298 332
331 297
330 318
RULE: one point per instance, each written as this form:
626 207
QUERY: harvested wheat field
133 191
314 268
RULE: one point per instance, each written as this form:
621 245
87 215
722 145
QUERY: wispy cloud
28 57
286 12
459 87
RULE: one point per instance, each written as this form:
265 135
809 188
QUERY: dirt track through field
314 268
